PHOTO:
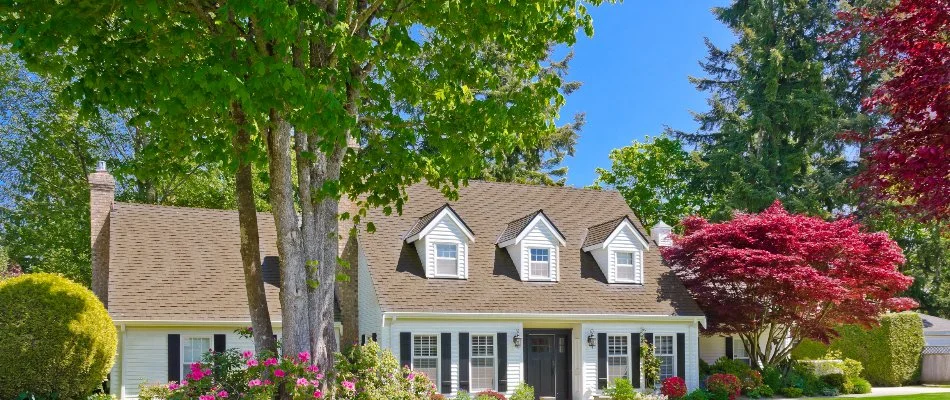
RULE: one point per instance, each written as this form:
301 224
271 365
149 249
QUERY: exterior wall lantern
516 339
591 339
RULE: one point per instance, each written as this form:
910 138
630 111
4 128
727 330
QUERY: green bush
463 395
766 391
698 394
772 377
860 386
523 392
834 380
889 354
56 338
727 366
791 392
379 374
621 390
153 392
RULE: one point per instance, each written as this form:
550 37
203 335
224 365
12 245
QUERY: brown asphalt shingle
597 234
493 285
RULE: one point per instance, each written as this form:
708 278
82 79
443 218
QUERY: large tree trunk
250 241
293 285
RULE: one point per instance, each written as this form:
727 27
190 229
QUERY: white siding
936 339
370 314
538 236
625 241
437 327
712 348
146 356
444 231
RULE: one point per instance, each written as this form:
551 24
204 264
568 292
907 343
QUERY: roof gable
598 236
425 224
519 228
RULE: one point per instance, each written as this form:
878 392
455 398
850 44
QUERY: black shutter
729 351
501 343
446 365
220 343
635 360
174 358
362 340
374 337
648 337
601 360
463 361
681 355
405 349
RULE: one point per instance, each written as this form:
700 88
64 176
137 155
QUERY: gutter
540 316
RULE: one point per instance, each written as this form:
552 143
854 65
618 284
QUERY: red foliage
673 387
491 393
792 270
726 384
908 160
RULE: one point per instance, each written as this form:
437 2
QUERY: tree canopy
777 275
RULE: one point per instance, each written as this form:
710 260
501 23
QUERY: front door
548 362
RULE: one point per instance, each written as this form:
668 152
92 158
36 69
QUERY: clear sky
634 73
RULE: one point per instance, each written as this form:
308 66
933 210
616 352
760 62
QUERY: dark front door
548 362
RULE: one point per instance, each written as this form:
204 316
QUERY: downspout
122 361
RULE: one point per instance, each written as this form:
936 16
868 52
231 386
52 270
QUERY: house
509 283
936 330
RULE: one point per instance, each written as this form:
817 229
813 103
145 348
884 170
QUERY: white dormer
662 234
618 248
534 244
442 240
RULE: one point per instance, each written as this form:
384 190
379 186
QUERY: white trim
446 212
623 224
540 218
542 316
471 344
181 351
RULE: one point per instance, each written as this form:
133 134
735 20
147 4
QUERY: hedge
890 353
56 338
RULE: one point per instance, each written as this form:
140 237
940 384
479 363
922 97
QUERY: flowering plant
376 374
724 385
261 378
674 387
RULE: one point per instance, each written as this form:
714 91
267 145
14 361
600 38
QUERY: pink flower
173 386
279 373
223 394
302 382
412 375
313 368
270 361
252 363
303 356
247 354
254 382
267 382
348 385
206 397
318 394
319 376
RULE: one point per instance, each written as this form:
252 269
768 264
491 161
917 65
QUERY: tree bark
293 285
250 240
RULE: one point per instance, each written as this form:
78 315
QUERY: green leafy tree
657 178
396 91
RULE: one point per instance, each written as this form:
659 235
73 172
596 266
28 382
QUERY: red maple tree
778 275
908 159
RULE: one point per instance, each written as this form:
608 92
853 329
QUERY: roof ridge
534 185
147 205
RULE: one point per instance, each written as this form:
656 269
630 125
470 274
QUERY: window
664 350
618 357
626 271
540 263
738 350
483 362
425 355
446 259
192 348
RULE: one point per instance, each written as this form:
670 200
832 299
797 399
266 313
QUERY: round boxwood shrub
56 338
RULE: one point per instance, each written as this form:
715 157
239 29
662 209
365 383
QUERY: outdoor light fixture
516 339
591 340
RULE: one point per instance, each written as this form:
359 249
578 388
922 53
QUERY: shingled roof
517 226
597 234
493 285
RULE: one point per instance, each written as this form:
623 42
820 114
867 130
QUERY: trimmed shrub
673 387
56 338
621 390
489 395
724 386
728 366
698 394
772 377
834 380
890 353
791 392
861 386
523 392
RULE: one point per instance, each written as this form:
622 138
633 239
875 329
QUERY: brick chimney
101 198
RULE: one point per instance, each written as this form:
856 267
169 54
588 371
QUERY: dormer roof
426 222
517 229
599 235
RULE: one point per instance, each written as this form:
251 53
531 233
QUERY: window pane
541 269
624 258
666 367
540 254
483 346
617 345
617 352
626 273
483 362
446 250
192 350
446 266
616 368
664 351
738 349
425 355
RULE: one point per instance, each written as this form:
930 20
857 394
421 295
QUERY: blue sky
634 72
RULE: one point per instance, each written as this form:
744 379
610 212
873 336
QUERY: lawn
926 396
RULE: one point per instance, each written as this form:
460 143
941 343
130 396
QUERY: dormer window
540 263
534 243
446 259
618 247
442 240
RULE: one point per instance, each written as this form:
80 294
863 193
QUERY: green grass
927 396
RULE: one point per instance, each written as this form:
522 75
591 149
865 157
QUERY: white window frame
629 360
435 266
494 357
633 265
673 355
739 345
531 275
438 355
181 349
